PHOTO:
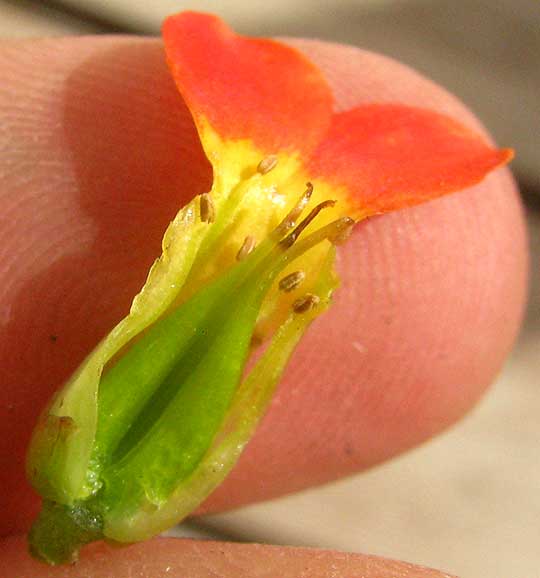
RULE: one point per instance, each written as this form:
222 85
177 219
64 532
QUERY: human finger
204 559
100 155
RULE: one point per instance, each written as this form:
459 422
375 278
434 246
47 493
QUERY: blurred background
478 513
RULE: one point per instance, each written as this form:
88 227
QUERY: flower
159 412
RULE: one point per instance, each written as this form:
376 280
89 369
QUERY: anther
290 239
306 303
291 281
247 246
267 164
290 220
206 208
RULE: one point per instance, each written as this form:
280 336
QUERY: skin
98 153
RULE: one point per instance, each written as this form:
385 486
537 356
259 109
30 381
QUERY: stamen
267 164
247 246
291 281
306 303
344 233
207 209
289 240
290 220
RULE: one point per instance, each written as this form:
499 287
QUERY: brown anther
290 220
344 231
206 208
291 281
267 164
290 239
247 246
306 303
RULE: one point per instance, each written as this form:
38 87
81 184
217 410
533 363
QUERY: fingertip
431 297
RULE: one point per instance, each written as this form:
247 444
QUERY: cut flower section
159 412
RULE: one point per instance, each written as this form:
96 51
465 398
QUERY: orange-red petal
392 156
247 88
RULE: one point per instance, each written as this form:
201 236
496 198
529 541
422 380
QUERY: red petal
393 156
247 88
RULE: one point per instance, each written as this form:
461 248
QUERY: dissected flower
159 412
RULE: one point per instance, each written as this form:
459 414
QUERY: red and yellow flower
256 97
160 410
